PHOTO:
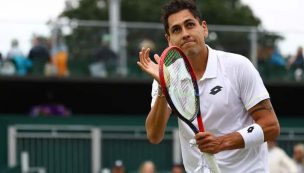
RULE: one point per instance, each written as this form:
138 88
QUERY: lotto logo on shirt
215 90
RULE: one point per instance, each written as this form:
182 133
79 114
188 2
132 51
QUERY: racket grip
212 163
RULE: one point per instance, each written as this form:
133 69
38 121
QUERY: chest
217 94
220 103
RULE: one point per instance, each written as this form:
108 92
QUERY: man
103 58
238 119
39 54
298 157
14 50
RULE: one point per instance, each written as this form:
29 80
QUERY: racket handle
212 163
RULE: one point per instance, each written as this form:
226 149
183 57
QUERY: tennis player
235 105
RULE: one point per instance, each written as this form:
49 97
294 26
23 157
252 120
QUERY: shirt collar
211 69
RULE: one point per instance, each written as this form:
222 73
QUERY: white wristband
253 135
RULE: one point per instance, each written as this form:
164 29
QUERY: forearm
157 119
231 141
271 129
264 115
209 143
268 131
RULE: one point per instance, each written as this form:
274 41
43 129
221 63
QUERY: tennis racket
180 88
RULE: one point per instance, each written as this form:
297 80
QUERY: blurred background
72 99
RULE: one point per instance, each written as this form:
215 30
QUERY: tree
228 12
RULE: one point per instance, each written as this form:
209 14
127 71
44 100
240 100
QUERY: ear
168 39
205 28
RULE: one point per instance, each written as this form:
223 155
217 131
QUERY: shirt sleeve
154 92
252 88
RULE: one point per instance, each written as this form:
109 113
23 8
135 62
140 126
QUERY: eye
190 25
175 30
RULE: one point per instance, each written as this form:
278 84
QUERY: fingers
203 137
142 62
207 142
157 58
144 56
147 65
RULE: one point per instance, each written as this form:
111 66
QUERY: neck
199 61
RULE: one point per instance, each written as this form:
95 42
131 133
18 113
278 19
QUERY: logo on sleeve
215 90
250 129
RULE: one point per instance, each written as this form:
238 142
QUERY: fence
289 137
85 149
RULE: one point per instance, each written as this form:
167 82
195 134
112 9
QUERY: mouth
186 43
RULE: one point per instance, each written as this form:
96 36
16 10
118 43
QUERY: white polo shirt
230 86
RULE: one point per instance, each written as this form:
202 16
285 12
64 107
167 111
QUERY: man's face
186 32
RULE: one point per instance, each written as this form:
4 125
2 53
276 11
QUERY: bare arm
159 114
262 113
157 119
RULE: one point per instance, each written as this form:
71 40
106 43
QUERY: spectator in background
296 63
14 50
61 63
177 168
23 64
49 68
279 161
276 58
118 167
39 54
132 66
15 55
148 43
7 67
298 157
59 58
103 58
147 167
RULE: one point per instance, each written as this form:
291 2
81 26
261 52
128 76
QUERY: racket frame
189 68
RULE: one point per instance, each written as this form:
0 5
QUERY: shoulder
233 64
233 59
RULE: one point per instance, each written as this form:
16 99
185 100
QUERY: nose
185 33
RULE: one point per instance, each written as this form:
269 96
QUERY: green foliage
141 10
87 10
83 41
227 12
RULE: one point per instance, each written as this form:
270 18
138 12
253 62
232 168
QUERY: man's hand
207 142
147 65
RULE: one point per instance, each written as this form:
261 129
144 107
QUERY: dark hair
175 6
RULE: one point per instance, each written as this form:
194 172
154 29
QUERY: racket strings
170 58
180 85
